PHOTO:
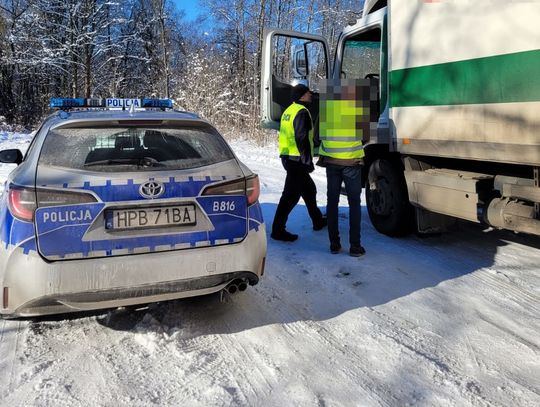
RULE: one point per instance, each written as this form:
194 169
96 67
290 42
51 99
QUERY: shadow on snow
303 281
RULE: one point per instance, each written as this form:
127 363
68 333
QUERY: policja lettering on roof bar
115 102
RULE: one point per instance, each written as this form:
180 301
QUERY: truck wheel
387 199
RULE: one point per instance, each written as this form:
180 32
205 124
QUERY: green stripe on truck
498 79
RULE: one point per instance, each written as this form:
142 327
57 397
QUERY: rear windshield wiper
141 162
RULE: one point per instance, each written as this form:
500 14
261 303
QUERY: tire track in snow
9 345
237 366
204 372
33 378
420 344
507 289
351 363
447 371
346 364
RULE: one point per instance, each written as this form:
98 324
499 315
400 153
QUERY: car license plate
139 218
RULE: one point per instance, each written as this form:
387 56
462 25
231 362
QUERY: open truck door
289 58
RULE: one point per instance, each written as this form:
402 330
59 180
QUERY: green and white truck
457 134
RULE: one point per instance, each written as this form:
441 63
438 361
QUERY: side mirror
299 62
12 156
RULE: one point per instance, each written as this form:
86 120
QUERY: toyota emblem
151 189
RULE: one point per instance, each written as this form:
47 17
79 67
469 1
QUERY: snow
451 320
12 140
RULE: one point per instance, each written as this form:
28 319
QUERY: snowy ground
447 321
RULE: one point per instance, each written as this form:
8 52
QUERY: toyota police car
113 207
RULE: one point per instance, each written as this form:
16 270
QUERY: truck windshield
362 55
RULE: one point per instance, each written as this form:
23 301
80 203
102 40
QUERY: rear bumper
36 287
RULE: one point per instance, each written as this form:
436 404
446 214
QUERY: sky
191 7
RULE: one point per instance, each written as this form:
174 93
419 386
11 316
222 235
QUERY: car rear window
133 149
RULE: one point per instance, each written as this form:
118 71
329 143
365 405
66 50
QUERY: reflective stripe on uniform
342 149
341 138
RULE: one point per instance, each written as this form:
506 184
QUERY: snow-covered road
448 321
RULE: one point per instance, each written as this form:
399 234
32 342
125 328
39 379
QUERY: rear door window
117 149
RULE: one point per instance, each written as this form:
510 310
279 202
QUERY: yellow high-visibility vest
287 142
339 135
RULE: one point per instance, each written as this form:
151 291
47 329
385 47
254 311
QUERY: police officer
344 123
296 152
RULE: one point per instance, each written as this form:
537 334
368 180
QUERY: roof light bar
67 102
111 103
162 103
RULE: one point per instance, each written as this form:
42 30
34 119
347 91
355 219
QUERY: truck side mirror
11 156
300 64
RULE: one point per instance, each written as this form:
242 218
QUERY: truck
457 131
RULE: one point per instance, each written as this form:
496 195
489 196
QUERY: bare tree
137 48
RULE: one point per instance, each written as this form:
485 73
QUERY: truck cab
457 130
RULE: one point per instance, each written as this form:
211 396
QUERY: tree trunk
165 48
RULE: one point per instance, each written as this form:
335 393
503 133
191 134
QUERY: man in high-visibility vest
342 129
296 152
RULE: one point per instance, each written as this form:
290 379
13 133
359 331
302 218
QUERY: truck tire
388 200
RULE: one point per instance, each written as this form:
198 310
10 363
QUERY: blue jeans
352 177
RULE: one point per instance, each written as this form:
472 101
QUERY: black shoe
284 236
335 248
320 224
357 251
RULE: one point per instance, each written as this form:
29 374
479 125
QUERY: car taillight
246 186
22 202
253 189
47 197
227 188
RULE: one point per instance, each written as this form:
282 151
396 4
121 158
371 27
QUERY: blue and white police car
124 206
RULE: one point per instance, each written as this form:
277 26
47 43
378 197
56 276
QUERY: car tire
388 200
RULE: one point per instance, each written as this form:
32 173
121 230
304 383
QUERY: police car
122 206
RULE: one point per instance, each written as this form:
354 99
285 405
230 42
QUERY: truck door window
290 58
298 60
362 55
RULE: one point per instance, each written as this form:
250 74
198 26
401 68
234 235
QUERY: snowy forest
133 48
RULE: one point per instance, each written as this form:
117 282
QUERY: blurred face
349 92
307 97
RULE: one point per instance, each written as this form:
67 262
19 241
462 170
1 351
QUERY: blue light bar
110 103
160 103
67 102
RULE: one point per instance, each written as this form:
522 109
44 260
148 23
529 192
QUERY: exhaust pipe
237 285
242 286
